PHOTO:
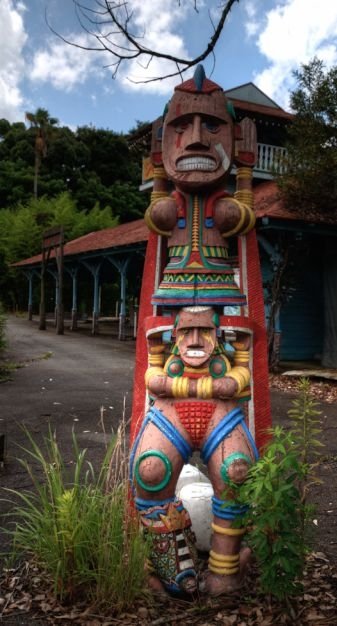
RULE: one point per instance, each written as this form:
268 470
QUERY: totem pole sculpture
197 385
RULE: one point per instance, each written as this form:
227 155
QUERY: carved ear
246 145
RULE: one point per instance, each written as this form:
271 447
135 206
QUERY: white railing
271 159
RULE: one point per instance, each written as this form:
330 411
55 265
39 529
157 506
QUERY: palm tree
43 123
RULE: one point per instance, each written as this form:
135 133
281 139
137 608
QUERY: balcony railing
270 159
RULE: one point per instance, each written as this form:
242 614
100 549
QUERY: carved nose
195 337
197 140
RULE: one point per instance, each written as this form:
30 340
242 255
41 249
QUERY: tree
310 182
93 165
113 27
21 232
42 123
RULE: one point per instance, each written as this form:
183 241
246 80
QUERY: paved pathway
83 374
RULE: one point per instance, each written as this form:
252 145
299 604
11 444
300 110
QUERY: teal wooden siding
302 320
302 315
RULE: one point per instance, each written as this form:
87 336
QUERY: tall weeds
81 531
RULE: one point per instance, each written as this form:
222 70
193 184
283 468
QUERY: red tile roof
268 203
123 235
261 108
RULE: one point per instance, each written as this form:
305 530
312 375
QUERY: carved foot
155 584
216 585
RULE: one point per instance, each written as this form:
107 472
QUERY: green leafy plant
305 429
276 492
80 532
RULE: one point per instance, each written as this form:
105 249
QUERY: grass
80 530
7 367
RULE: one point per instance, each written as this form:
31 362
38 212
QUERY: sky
263 41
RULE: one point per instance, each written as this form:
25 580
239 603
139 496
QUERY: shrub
276 492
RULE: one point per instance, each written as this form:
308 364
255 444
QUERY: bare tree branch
114 30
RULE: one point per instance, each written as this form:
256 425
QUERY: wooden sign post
53 239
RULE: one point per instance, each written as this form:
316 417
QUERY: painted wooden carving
196 386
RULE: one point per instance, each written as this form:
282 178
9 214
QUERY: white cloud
252 25
159 24
65 66
13 38
292 33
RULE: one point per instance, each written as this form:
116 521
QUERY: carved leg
156 464
229 451
167 527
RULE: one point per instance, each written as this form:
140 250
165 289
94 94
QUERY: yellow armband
205 387
151 225
180 387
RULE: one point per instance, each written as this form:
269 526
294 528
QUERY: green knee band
168 470
236 456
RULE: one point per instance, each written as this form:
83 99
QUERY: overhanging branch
112 26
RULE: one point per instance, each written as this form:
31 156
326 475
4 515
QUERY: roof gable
250 93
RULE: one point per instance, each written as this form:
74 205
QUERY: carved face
196 337
198 141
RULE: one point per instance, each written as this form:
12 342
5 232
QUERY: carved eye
212 126
181 127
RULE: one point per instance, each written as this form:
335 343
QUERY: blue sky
262 42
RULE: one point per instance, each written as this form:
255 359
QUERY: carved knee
235 468
153 470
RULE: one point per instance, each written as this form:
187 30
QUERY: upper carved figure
198 135
197 153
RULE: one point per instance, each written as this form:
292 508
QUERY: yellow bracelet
241 357
227 571
245 196
205 387
251 224
231 532
159 172
230 559
180 387
244 172
241 353
156 359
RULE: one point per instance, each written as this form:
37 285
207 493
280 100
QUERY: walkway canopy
101 253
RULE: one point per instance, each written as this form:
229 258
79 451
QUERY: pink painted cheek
178 141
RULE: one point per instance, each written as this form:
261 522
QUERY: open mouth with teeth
195 353
188 164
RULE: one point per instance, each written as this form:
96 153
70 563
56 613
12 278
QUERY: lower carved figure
195 397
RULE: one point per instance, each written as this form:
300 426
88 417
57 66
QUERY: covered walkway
98 258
